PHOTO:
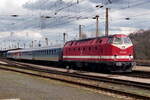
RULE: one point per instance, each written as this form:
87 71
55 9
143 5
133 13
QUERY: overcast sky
31 24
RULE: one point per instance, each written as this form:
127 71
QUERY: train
113 53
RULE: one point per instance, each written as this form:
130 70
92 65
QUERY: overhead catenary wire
80 17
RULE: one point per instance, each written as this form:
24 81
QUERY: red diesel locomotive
109 53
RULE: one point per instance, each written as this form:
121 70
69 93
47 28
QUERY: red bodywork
98 49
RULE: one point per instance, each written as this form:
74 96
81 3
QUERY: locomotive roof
96 38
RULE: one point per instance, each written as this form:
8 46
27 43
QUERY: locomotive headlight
115 56
130 57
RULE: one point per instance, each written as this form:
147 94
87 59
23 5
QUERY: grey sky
65 16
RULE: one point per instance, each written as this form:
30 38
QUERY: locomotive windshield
117 40
127 40
120 40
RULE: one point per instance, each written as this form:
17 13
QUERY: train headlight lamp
115 56
130 57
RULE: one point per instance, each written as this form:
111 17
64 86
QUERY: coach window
52 52
55 51
47 51
37 52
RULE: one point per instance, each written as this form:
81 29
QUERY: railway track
143 62
77 78
135 73
138 74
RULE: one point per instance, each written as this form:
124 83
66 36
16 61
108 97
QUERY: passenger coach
43 54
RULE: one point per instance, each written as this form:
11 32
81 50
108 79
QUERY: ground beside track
25 87
142 68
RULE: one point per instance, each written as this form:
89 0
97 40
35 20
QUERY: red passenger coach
110 53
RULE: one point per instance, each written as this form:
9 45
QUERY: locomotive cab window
120 40
117 40
126 40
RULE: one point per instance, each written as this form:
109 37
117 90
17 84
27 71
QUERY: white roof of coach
34 49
